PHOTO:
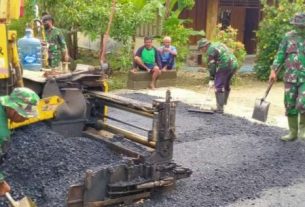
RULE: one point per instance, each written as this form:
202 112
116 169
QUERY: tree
275 24
174 26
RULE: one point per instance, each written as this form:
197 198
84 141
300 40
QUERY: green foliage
23 22
121 60
128 16
174 27
271 31
229 38
91 17
182 4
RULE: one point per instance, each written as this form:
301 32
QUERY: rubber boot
227 94
293 129
220 98
302 127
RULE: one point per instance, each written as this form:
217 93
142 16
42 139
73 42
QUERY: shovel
204 108
24 202
261 106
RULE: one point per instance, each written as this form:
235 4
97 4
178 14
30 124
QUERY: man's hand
272 76
67 58
44 43
211 84
147 68
4 188
166 49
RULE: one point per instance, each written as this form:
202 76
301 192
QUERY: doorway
251 25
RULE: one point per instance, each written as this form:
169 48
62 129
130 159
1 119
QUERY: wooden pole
106 35
167 6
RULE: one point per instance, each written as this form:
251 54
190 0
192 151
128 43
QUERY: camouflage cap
47 17
202 43
23 100
298 19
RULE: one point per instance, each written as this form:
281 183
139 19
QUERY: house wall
198 16
244 16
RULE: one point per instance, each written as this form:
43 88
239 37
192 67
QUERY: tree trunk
167 7
75 45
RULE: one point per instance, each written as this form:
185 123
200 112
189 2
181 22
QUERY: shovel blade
204 111
26 202
261 109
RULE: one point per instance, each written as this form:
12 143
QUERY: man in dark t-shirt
147 58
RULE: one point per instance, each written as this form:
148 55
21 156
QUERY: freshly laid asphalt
42 164
235 162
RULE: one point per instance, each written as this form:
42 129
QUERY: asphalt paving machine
79 108
84 113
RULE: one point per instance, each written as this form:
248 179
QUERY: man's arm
173 51
158 58
212 62
279 59
4 187
63 45
138 60
280 55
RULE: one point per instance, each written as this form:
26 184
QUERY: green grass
118 80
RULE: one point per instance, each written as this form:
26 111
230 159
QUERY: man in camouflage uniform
56 42
291 54
222 65
18 106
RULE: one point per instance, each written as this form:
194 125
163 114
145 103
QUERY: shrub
229 38
174 27
271 31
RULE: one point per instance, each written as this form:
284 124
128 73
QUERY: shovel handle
11 200
268 89
271 83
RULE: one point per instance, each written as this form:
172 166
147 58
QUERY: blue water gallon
29 49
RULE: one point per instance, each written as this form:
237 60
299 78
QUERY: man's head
20 104
148 42
203 44
47 21
167 41
298 20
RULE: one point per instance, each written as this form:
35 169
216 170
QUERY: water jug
30 51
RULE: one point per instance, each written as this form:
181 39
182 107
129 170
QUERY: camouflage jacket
57 45
220 57
291 53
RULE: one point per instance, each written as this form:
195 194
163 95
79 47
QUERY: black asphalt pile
232 159
43 164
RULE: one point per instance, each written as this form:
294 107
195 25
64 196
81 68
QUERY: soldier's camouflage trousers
294 98
54 56
54 60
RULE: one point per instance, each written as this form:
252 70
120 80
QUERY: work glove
4 188
211 84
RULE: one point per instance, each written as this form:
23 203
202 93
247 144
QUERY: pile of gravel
43 164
